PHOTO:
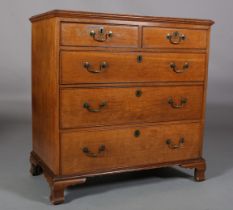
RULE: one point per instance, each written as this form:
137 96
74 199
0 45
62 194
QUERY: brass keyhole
101 30
138 93
139 58
137 133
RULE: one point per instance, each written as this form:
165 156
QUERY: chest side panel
45 92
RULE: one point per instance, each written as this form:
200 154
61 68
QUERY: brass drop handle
175 69
172 145
176 37
101 35
174 105
103 65
87 106
99 153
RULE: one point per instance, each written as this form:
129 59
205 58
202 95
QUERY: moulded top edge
82 14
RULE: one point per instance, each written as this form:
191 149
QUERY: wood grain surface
124 149
78 34
123 106
124 67
194 38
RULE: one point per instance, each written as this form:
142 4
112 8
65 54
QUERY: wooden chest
116 93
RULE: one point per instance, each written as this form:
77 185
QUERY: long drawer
84 107
113 67
105 150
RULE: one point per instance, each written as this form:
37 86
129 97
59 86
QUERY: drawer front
108 106
103 67
154 37
78 34
105 150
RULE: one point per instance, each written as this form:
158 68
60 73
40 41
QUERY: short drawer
84 107
112 67
105 150
78 34
154 37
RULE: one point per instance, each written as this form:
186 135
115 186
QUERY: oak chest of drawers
116 93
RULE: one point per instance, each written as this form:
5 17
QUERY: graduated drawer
105 150
79 34
155 37
84 107
111 67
